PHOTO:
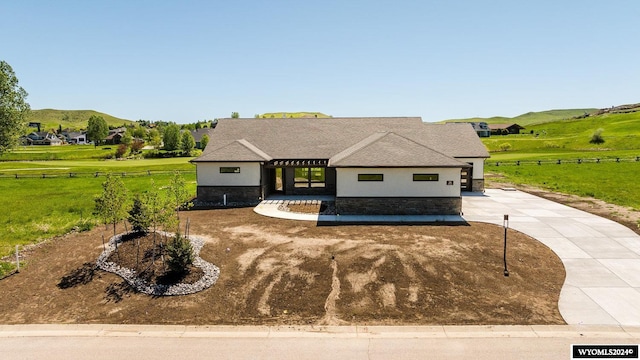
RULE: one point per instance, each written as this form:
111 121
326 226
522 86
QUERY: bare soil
284 272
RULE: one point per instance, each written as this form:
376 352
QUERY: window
229 170
370 177
309 177
425 177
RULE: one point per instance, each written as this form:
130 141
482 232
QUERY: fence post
559 162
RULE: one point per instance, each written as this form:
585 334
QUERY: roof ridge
254 148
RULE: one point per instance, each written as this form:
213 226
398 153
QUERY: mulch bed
145 253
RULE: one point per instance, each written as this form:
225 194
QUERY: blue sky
191 60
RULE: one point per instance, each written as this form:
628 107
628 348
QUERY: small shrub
136 146
121 151
597 138
505 147
180 253
139 216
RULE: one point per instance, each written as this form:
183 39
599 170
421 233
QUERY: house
76 137
42 138
505 129
115 136
481 128
197 135
370 165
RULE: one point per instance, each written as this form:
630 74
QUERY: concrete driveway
601 257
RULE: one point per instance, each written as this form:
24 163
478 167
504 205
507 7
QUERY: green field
46 198
568 141
51 119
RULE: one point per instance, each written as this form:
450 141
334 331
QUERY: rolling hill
73 119
530 118
302 114
620 130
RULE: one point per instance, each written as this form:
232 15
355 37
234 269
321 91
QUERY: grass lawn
612 182
36 208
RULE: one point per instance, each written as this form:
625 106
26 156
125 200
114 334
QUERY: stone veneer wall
398 206
477 185
236 195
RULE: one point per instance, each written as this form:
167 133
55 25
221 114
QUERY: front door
466 176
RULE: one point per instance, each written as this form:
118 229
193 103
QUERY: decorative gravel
211 272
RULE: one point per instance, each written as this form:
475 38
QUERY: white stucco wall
209 174
478 166
398 182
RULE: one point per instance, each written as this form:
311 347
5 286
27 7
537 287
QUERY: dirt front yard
292 272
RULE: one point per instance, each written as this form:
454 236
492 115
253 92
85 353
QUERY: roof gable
239 150
391 150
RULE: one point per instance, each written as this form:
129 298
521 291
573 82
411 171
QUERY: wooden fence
562 161
92 174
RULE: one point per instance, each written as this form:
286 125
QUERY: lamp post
505 224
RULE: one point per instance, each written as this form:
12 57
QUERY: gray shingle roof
401 140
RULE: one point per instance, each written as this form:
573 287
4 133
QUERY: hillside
620 130
293 115
73 119
530 118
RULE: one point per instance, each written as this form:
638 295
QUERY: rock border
211 272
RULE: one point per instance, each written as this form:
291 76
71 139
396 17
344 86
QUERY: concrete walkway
601 257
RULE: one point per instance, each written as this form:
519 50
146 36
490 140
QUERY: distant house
42 138
481 128
505 129
197 135
76 137
115 136
378 166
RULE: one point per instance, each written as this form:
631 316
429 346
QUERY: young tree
154 138
187 143
139 216
204 141
13 108
178 194
111 204
235 115
171 137
180 254
97 129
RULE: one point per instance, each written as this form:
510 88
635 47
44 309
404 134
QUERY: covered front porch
299 177
280 206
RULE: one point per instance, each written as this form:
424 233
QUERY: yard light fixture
505 224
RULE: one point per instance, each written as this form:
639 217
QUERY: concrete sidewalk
601 257
311 331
